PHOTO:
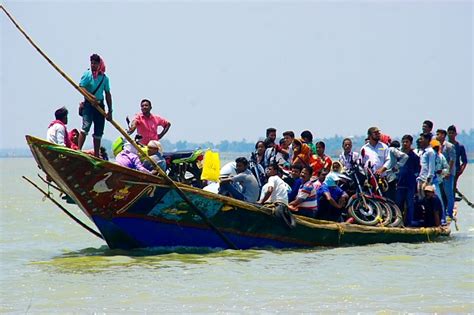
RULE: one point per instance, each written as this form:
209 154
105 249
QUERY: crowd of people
421 177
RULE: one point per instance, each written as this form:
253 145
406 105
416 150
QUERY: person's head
297 144
268 143
320 147
429 191
306 173
407 141
289 136
347 145
373 134
154 147
61 114
425 139
307 136
145 106
74 135
331 179
95 62
395 144
283 143
322 174
435 144
441 135
271 134
336 167
427 126
452 133
273 169
241 164
260 147
296 170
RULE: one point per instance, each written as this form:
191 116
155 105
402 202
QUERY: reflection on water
103 259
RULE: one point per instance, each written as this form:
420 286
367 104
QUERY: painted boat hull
132 209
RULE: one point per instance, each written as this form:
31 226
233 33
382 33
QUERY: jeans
229 188
448 187
438 193
406 196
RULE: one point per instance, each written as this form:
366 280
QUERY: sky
227 70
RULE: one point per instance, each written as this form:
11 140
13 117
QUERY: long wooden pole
92 100
64 210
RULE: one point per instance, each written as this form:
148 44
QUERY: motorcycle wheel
386 213
365 216
397 216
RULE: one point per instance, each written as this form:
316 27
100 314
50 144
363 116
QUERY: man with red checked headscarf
94 81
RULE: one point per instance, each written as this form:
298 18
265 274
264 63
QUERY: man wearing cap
429 209
155 152
331 199
375 152
57 131
147 124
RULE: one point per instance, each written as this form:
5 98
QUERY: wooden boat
132 209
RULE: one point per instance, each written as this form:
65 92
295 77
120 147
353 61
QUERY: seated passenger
320 160
129 158
248 183
275 190
57 131
331 199
428 210
73 136
305 202
155 152
294 181
301 153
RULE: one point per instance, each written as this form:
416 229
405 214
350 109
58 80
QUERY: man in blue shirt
461 157
406 185
94 82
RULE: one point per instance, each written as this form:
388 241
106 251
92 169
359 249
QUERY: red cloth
100 69
67 142
71 137
320 163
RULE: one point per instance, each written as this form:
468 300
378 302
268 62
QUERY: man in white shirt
57 131
275 190
375 152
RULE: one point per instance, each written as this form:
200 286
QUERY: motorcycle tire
397 216
370 216
386 213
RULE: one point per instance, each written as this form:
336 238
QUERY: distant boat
132 209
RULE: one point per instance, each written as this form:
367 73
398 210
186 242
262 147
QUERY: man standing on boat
94 82
147 124
375 152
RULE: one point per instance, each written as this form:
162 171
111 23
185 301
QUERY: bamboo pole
64 210
93 101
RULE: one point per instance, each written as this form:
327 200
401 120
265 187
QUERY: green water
49 264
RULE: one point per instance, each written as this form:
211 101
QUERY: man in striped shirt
305 202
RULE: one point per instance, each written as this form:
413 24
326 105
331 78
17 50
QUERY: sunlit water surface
50 264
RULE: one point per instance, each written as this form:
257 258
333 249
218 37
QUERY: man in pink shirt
147 124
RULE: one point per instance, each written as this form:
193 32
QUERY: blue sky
229 69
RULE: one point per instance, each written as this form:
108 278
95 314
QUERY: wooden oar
93 101
64 210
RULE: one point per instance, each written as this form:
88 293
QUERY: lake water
49 264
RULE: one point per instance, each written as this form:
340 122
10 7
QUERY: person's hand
292 208
379 171
109 116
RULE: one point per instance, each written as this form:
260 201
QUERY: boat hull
132 209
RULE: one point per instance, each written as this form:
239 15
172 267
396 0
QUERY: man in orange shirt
147 124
